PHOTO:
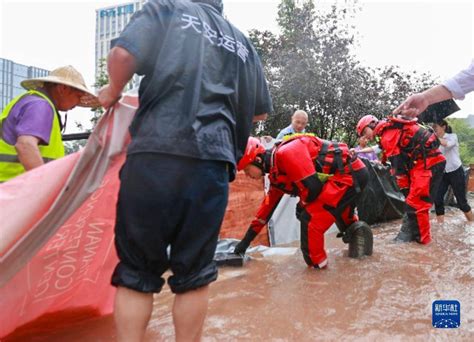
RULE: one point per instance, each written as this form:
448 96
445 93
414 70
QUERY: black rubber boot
408 232
360 239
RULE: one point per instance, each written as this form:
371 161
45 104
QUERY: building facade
11 74
110 22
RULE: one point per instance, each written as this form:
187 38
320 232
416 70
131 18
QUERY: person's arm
448 141
263 103
455 87
282 133
28 152
121 66
368 149
462 83
134 51
364 150
265 211
310 188
417 103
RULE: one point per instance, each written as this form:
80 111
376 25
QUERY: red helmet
253 149
364 122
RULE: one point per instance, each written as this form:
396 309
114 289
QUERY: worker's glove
245 242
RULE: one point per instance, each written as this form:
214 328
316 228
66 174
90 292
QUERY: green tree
466 139
310 65
102 79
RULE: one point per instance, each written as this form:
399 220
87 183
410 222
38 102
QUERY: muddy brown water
386 297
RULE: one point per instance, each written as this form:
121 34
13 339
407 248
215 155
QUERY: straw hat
69 76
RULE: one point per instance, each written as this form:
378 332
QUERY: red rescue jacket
298 158
406 143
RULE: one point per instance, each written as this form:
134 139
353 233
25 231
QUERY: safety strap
355 181
293 192
337 163
320 161
418 144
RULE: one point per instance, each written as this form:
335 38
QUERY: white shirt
461 83
451 152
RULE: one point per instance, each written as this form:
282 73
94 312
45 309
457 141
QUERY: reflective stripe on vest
10 165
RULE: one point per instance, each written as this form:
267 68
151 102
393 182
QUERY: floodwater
385 297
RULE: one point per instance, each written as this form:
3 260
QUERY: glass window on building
7 65
20 70
17 80
101 26
108 27
17 91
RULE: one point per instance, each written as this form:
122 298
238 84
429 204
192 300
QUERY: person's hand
413 105
245 242
241 247
108 96
352 152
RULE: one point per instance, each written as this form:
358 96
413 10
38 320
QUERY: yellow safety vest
10 165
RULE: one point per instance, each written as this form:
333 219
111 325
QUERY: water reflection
386 297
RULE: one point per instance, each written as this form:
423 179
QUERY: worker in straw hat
30 125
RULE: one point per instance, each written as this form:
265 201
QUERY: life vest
328 158
407 138
10 165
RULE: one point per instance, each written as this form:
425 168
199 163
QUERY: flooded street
386 297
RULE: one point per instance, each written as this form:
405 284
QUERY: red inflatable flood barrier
56 246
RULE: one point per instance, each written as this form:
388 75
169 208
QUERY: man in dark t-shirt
203 86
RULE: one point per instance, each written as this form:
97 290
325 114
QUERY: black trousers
457 180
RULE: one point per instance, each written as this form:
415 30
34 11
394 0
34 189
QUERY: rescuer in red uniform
327 181
417 165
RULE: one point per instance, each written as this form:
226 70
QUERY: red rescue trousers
335 204
423 185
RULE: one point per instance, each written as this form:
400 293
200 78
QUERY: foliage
310 66
102 79
465 135
74 146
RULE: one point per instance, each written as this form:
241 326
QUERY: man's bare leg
189 313
469 216
132 312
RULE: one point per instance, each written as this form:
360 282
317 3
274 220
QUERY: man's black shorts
167 200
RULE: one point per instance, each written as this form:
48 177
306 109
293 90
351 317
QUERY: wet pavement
385 297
